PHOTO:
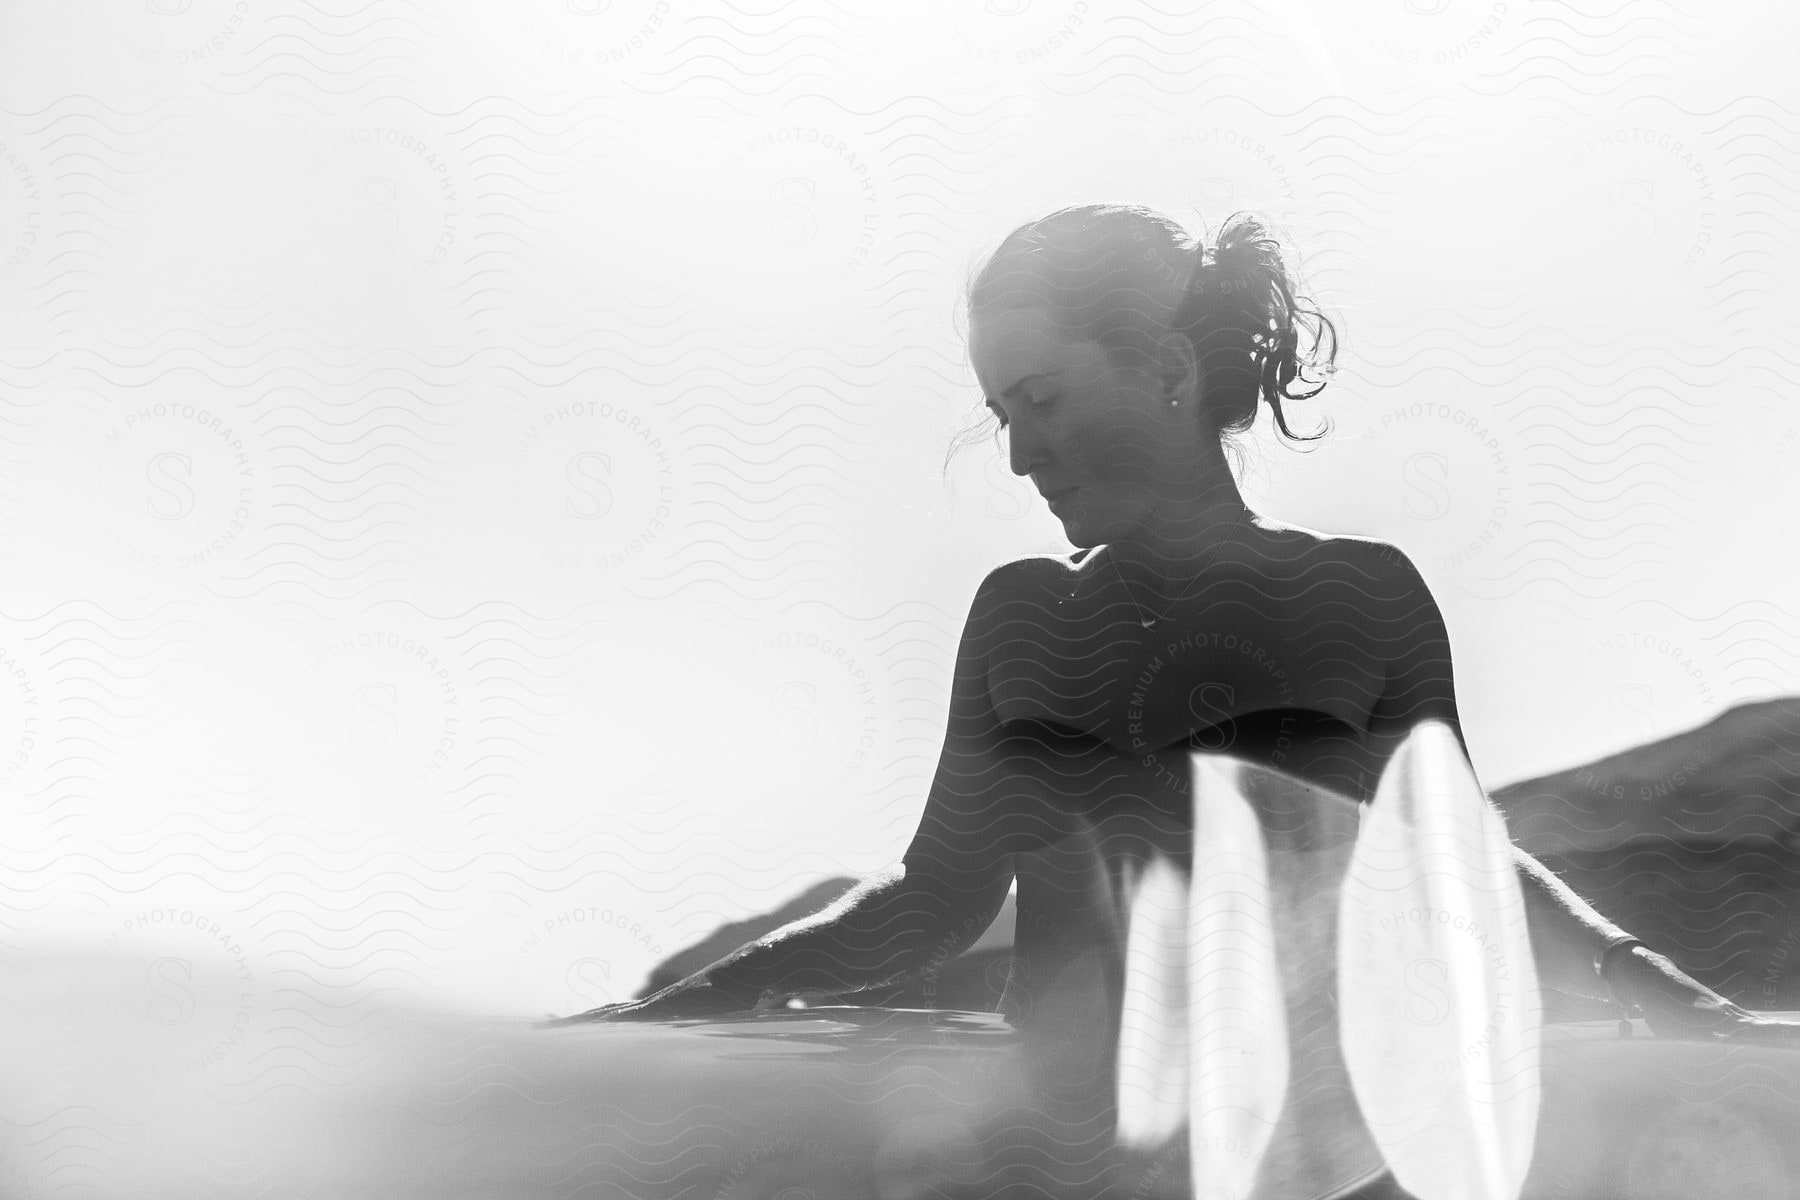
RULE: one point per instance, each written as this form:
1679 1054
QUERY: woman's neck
1185 523
1195 521
1160 561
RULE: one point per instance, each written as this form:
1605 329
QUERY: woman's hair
1123 276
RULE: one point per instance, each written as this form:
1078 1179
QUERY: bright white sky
573 545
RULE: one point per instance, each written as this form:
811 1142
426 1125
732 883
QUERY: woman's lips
1061 499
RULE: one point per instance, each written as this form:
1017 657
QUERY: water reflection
142 1075
853 1033
339 1096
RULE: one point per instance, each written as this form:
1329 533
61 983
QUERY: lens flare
1203 1035
1439 1010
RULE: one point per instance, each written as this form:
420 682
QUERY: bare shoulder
1034 575
1374 562
1398 579
1373 578
1351 567
1401 626
1018 588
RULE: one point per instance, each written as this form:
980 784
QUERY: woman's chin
1086 529
1078 533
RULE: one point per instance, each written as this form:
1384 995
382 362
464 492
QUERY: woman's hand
1675 1005
688 999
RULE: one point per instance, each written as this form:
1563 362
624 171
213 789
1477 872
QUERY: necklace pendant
1146 622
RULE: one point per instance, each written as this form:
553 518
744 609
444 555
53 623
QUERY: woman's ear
1179 376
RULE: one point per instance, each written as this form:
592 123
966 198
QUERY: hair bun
1255 321
1125 276
1245 249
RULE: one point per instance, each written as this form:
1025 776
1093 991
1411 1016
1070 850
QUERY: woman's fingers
678 1001
1721 1021
606 1012
1675 1005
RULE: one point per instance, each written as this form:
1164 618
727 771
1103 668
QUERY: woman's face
1102 443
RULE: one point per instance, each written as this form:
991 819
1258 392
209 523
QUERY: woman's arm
882 931
932 905
1569 939
1566 931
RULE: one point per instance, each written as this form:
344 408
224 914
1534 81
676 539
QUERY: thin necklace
1144 618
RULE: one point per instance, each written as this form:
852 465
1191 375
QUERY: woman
1119 355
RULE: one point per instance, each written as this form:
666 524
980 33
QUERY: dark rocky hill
1732 781
1691 842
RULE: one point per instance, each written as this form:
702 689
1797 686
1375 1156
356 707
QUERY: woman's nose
1024 448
